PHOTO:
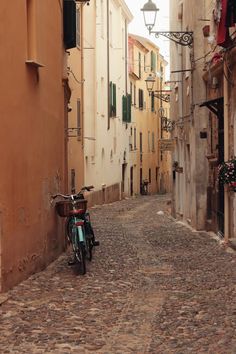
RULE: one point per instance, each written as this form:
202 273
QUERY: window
153 61
139 65
78 27
140 99
131 92
135 95
153 141
135 145
150 175
112 99
126 108
69 23
152 102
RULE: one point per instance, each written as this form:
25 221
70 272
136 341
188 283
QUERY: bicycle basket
64 207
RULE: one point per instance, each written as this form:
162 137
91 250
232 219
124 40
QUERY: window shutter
153 61
124 108
110 99
114 99
129 108
69 23
153 102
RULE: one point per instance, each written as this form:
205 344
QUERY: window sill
34 63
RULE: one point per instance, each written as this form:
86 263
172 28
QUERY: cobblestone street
153 286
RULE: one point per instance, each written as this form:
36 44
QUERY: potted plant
227 173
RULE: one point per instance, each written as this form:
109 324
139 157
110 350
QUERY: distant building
149 165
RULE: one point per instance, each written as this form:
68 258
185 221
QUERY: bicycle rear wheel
79 252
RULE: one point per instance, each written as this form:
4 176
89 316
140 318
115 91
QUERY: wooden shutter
124 108
69 23
110 99
114 99
129 108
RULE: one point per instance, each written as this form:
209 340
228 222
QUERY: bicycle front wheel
79 252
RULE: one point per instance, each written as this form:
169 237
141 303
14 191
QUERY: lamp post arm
179 37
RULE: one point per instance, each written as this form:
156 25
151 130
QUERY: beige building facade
106 134
149 166
33 110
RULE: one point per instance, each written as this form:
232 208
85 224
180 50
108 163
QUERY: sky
137 25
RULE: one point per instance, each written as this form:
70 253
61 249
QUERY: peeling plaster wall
32 140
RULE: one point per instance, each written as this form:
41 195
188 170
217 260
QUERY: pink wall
32 140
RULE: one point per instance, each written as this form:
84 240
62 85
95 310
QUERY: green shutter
114 99
153 61
129 108
124 108
153 102
110 99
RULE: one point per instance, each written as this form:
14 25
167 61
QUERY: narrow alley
153 286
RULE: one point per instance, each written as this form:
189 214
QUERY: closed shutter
153 61
69 23
114 99
110 99
124 108
129 108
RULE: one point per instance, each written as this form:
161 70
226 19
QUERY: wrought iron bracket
162 96
182 38
167 124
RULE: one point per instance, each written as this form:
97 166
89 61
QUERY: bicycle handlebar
72 196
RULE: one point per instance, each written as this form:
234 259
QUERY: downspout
226 152
126 56
108 66
82 91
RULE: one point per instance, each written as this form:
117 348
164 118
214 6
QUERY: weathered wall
32 139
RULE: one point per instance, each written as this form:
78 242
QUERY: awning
216 106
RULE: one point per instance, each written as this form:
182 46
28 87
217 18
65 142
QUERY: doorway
221 193
131 181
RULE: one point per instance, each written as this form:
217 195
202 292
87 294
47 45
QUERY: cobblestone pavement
154 286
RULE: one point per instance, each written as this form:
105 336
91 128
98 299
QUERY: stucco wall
32 140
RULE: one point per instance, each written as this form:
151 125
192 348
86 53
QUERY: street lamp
150 12
150 81
163 95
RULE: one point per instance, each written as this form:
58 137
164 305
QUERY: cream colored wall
104 147
146 121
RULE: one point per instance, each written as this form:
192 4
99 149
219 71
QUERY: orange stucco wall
31 138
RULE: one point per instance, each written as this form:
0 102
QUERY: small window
140 99
150 175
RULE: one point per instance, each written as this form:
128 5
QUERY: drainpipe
226 152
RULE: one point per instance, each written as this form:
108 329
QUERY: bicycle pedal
96 243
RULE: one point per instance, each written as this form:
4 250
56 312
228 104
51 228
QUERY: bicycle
78 226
